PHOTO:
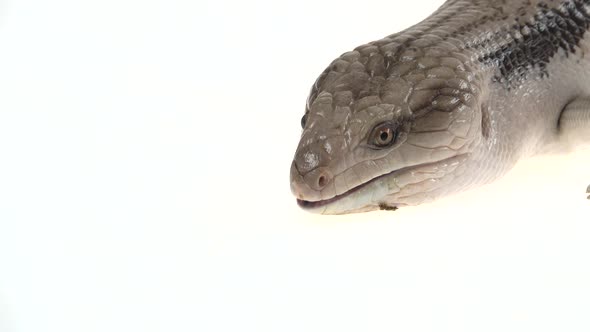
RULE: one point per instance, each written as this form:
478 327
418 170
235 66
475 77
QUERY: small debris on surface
386 207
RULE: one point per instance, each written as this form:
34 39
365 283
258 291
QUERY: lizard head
386 129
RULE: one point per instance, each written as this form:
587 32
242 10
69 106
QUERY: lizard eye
304 120
383 135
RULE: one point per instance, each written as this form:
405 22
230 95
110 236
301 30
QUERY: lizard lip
309 205
318 204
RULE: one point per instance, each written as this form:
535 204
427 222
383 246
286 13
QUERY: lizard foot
588 191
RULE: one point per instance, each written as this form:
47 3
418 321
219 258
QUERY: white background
144 159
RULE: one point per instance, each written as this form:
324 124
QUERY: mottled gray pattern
471 90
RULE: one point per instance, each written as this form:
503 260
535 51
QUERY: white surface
144 160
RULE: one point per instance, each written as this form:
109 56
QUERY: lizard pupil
383 135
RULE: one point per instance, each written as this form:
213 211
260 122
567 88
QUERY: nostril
322 181
318 179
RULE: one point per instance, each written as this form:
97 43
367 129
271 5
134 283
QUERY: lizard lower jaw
318 204
367 196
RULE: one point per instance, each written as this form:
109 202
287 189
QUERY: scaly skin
465 94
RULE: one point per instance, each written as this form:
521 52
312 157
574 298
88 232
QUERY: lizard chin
389 191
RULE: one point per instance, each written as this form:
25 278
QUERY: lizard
449 104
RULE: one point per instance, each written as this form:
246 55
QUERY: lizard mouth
308 205
317 204
311 205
